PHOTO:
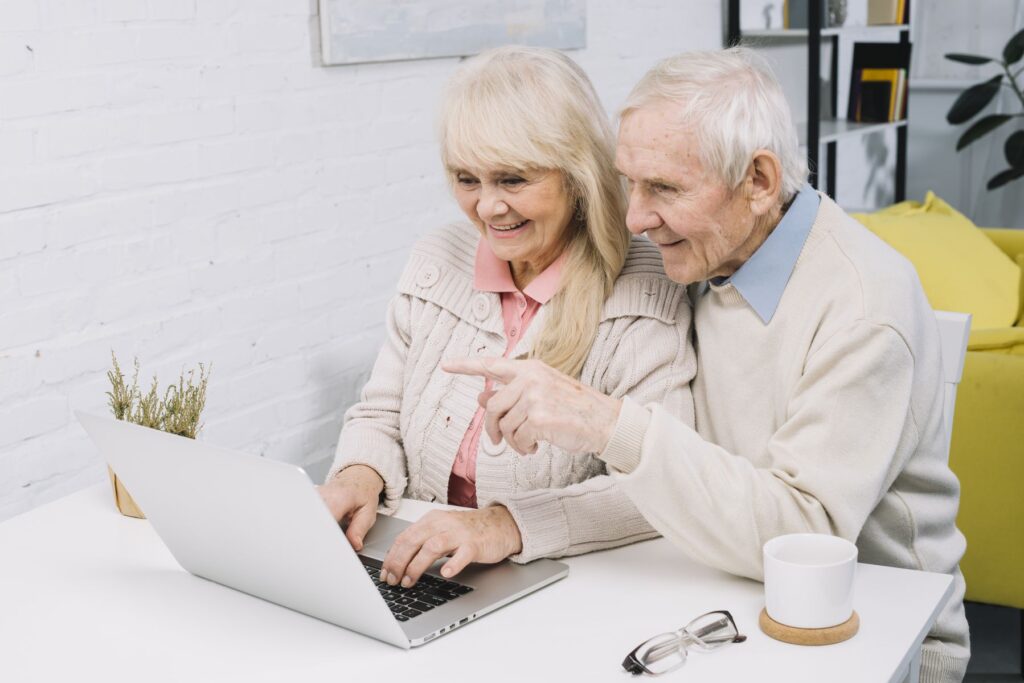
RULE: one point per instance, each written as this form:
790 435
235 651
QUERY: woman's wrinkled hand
486 536
352 497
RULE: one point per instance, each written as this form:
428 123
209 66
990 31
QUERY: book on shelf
873 102
878 82
888 12
878 95
900 108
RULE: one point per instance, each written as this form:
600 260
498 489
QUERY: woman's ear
764 177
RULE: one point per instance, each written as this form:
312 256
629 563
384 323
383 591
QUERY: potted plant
178 412
973 100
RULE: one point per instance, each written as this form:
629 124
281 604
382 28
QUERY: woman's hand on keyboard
488 535
352 497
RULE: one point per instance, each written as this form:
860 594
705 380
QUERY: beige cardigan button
428 275
481 307
490 448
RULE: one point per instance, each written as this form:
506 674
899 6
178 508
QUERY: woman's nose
491 204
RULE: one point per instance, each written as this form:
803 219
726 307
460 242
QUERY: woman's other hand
352 496
486 536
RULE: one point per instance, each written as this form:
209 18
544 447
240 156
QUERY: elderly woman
544 270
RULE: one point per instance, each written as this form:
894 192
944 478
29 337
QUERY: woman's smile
508 230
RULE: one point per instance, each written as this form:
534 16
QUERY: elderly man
818 393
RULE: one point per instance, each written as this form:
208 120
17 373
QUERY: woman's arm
371 435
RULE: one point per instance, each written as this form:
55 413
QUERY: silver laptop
260 527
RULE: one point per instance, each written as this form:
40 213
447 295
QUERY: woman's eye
466 181
512 181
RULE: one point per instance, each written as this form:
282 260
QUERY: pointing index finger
498 369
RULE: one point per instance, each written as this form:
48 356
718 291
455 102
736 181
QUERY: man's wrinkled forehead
655 135
667 115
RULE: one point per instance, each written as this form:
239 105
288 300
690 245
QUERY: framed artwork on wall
357 31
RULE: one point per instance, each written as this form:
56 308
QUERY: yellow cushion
1008 340
960 268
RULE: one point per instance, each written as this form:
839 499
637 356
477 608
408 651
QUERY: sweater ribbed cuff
378 453
623 450
939 666
542 524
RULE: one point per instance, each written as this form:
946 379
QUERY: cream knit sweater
828 419
412 415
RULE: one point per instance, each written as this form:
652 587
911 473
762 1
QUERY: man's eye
662 187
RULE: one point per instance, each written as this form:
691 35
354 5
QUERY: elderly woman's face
701 228
523 215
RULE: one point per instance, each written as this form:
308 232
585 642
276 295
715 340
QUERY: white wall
180 181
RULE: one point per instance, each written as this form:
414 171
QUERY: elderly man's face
702 228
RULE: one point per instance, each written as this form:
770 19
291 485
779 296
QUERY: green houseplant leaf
1014 49
973 100
968 59
984 125
1003 177
1014 149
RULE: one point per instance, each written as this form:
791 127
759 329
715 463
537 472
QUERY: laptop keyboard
406 603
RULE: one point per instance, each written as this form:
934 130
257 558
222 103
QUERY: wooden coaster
809 636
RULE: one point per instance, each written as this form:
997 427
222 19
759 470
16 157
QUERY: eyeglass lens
712 630
662 653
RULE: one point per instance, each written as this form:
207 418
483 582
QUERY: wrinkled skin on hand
487 536
352 497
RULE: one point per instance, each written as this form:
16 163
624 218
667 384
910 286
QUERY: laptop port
463 621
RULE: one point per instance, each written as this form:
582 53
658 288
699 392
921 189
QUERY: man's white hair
733 102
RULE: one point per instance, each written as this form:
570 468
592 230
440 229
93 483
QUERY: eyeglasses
667 651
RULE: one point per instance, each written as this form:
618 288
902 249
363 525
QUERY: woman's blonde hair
535 109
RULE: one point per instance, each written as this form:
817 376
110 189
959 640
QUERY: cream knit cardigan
412 415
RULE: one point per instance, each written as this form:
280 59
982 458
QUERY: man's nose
639 217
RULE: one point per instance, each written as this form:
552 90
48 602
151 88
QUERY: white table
89 595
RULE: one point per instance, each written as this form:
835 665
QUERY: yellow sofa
978 271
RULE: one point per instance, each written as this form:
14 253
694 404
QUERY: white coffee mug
808 579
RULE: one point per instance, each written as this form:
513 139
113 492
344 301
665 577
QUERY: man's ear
764 179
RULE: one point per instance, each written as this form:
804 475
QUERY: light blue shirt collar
763 278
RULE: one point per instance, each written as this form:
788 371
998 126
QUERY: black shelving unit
838 127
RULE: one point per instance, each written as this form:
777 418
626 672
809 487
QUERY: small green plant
179 410
977 97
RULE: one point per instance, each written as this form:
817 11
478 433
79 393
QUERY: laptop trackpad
378 541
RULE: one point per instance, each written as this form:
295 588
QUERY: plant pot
123 499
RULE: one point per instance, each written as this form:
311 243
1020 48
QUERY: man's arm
824 470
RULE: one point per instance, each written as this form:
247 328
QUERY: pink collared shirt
518 310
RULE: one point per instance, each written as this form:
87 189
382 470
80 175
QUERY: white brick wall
180 181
